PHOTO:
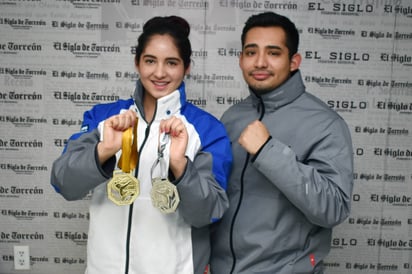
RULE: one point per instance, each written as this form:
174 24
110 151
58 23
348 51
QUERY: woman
133 228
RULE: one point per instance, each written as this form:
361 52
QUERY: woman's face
160 66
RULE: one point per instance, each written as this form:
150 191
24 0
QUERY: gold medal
164 195
124 188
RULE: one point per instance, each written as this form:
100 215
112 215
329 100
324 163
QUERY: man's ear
295 62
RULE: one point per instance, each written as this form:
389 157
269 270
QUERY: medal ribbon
163 140
128 159
164 194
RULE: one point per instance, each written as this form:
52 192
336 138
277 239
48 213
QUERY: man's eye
149 61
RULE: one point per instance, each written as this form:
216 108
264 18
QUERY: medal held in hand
164 194
124 188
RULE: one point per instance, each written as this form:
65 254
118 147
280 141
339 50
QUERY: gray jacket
285 200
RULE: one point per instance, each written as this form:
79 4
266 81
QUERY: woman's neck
149 107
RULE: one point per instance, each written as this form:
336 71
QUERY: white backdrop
60 57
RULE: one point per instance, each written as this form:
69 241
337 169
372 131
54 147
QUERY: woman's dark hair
271 19
175 26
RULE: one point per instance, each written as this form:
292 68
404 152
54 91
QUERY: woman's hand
179 139
112 134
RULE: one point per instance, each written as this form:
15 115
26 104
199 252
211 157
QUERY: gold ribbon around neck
128 158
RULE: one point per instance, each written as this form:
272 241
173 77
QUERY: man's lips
261 75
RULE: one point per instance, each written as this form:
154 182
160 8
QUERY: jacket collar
282 95
166 106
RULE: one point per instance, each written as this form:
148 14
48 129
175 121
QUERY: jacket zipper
232 225
130 219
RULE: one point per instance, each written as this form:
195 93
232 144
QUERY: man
291 179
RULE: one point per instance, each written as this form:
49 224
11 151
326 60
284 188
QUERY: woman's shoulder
198 115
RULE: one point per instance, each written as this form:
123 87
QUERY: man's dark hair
271 19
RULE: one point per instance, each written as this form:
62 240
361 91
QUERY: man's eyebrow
250 46
273 47
268 47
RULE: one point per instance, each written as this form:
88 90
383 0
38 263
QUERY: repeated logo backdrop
60 57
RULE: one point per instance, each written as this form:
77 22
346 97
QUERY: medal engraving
123 188
164 195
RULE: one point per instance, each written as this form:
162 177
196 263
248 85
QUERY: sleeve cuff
260 149
107 168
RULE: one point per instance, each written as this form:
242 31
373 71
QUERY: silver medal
164 194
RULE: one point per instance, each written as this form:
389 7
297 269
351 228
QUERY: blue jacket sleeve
77 170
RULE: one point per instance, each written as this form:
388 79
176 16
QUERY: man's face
265 59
